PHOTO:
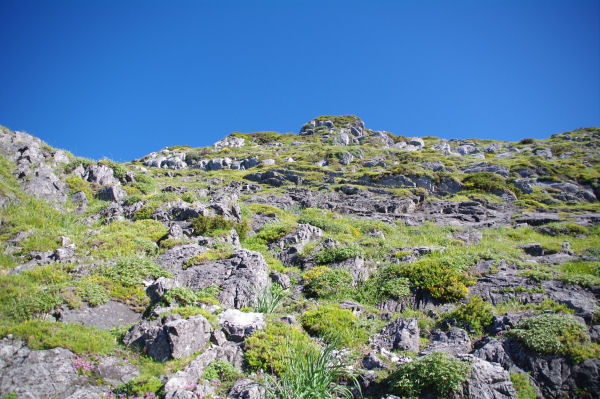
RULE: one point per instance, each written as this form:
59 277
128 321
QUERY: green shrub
210 226
266 349
140 387
486 181
188 311
145 183
145 212
189 196
440 276
77 184
527 140
338 254
92 292
570 229
437 374
326 220
523 386
385 283
222 371
336 325
326 283
47 335
474 315
557 334
72 165
133 199
132 270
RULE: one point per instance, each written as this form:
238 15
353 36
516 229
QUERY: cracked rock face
41 374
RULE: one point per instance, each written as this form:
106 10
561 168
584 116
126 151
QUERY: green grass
47 335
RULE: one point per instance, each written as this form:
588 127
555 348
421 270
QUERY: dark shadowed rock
112 193
171 337
456 341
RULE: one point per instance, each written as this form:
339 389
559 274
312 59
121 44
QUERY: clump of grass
47 335
326 283
211 226
185 296
270 299
474 315
309 374
338 254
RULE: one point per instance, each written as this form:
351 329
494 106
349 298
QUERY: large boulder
455 341
240 325
101 174
170 338
42 373
400 334
241 278
487 380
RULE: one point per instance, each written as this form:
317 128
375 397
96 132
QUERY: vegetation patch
266 348
557 334
336 325
437 374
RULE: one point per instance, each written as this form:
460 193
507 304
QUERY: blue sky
124 78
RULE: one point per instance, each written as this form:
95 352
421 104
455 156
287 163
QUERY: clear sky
124 78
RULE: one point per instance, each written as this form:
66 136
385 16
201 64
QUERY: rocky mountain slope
336 262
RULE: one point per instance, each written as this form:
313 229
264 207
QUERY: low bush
326 283
145 183
266 349
440 276
210 226
474 315
437 374
336 325
338 254
222 372
119 171
528 140
127 238
132 270
524 388
384 284
326 220
557 334
487 181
